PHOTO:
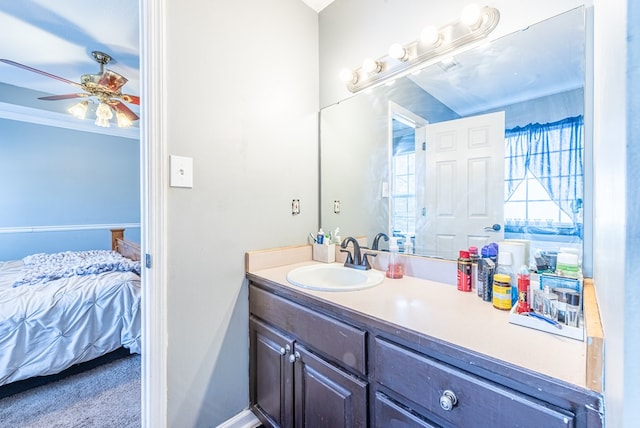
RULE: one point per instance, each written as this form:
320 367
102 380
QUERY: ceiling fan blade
35 70
64 97
133 99
118 106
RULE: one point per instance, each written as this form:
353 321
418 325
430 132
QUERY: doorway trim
153 153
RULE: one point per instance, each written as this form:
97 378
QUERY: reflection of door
464 189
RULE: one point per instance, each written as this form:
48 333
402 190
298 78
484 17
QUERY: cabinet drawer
480 403
390 415
342 342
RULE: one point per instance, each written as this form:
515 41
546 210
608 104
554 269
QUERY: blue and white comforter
48 327
45 267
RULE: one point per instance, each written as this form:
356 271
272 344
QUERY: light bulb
347 75
79 110
371 66
430 35
397 51
103 114
123 120
470 15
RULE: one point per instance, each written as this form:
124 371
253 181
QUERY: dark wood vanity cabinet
447 396
292 383
314 364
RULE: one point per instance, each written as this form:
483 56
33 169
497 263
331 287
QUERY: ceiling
58 37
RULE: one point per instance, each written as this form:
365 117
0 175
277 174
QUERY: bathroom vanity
406 353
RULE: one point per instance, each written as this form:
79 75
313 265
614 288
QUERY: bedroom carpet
104 396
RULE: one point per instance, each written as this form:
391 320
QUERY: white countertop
441 311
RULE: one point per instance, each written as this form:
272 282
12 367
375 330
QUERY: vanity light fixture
475 23
397 51
431 36
371 66
471 16
347 75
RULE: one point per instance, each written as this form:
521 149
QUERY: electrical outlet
295 207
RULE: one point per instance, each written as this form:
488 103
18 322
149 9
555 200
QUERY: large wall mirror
484 145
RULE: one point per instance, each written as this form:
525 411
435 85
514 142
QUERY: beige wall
241 99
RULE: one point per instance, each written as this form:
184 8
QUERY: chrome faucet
357 260
376 240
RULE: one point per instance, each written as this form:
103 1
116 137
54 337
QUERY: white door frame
153 166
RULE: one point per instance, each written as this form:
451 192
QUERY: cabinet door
326 396
271 374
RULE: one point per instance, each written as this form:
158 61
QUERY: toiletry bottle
523 289
408 245
501 296
475 257
320 237
504 268
337 239
487 270
395 269
464 271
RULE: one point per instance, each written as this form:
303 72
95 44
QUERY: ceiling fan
105 86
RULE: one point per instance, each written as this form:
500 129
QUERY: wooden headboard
128 249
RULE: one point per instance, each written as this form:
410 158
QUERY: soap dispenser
395 269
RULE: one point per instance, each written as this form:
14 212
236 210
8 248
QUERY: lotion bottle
395 269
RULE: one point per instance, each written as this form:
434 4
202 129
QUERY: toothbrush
543 318
313 237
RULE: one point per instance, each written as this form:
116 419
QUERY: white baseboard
244 419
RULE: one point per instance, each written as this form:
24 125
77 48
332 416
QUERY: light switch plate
181 171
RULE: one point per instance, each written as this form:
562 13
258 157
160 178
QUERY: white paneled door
464 189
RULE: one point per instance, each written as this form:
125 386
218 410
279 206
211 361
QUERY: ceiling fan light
103 114
79 110
122 119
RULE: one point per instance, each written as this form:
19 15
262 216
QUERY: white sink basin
334 277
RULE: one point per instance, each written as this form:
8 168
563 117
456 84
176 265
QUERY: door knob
495 228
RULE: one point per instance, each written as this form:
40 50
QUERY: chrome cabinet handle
448 400
493 228
294 357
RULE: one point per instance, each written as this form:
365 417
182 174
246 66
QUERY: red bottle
523 290
464 271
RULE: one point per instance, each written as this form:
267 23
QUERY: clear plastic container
395 268
549 303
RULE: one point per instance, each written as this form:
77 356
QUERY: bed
52 319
